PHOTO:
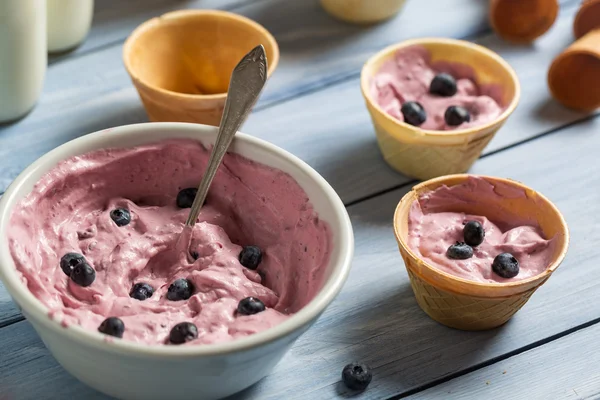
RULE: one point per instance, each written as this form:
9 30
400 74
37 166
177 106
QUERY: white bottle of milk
69 22
23 56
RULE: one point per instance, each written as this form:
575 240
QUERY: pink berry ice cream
454 242
434 95
90 243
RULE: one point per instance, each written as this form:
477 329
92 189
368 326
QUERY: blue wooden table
313 108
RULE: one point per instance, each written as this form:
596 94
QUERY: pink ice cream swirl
248 204
432 229
407 77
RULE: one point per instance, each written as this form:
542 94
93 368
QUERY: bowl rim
442 180
40 313
190 15
456 133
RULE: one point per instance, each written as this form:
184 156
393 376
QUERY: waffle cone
425 154
522 21
587 18
423 159
181 63
469 305
574 75
164 107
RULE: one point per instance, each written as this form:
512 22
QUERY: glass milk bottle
68 23
23 56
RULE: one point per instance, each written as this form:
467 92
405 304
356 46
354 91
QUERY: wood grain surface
563 369
313 107
375 319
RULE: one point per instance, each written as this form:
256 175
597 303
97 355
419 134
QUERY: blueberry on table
443 85
181 289
183 332
69 261
459 251
414 113
250 257
357 376
141 291
506 265
250 306
112 326
83 274
121 216
473 233
456 115
185 197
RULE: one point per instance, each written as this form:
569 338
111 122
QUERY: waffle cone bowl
574 76
522 21
587 18
425 154
181 62
362 11
469 305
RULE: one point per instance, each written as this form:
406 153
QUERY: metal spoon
247 81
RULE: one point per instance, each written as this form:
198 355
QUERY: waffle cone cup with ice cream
181 62
574 76
426 154
470 305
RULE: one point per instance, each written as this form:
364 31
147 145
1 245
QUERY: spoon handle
247 81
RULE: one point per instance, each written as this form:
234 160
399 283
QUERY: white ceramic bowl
129 370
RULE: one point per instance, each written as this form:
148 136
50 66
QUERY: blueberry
121 216
456 115
443 85
112 326
506 265
250 306
141 291
473 233
250 257
185 197
181 289
459 251
69 261
83 274
183 332
414 113
357 376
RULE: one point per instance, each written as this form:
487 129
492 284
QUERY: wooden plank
8 311
93 92
318 51
330 129
29 372
564 369
375 318
114 20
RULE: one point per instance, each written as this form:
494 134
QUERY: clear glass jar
69 22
